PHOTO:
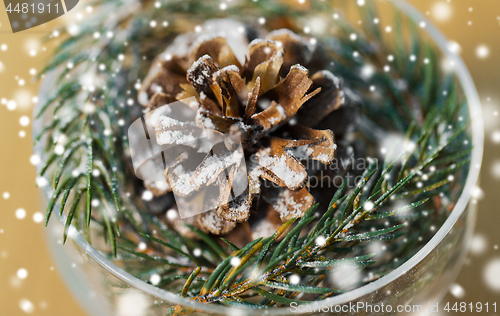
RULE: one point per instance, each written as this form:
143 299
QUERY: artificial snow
167 122
279 166
175 137
213 164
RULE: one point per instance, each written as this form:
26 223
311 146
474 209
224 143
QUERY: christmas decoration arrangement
354 141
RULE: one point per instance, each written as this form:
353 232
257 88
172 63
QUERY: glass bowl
103 288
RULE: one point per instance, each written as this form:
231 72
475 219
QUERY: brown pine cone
265 99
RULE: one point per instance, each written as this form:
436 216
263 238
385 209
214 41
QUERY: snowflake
22 273
478 244
294 279
491 275
457 291
26 306
482 51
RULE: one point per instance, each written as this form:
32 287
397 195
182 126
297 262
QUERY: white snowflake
294 279
26 306
482 51
20 213
22 273
491 275
478 245
457 291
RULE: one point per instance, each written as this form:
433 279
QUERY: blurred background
29 282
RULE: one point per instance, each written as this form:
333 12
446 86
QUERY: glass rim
475 112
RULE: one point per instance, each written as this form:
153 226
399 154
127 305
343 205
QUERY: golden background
22 242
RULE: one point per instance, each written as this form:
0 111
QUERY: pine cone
265 99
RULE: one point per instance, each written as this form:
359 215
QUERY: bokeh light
491 274
441 11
